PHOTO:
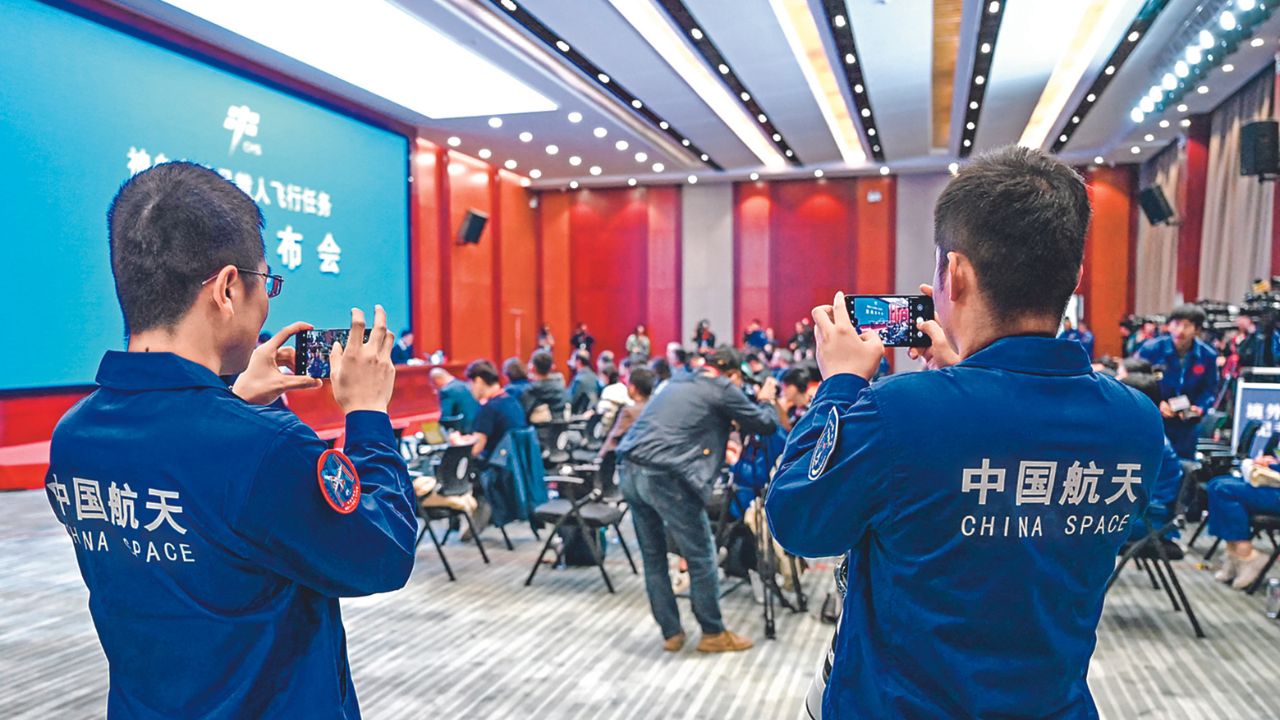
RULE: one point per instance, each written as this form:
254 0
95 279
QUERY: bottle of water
1273 598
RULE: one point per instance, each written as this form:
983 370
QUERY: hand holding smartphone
313 346
893 317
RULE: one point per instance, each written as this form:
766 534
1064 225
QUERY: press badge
826 446
338 480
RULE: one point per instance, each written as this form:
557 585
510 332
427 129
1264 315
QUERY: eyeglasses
274 283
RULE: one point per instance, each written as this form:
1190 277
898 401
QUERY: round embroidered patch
339 482
826 446
1197 369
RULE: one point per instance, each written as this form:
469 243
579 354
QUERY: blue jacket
214 560
456 400
1195 376
981 507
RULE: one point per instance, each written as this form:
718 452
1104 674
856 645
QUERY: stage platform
487 646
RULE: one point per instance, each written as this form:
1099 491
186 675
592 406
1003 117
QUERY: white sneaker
680 584
1227 572
1248 570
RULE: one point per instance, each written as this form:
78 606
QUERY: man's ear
957 276
224 285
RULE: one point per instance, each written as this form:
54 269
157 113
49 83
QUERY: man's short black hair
542 362
514 369
1193 314
484 370
754 357
796 377
171 228
1144 383
1020 216
1138 365
726 359
643 380
610 373
582 358
660 367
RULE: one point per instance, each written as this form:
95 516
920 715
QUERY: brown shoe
674 643
724 642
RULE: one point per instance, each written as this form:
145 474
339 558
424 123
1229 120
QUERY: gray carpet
486 646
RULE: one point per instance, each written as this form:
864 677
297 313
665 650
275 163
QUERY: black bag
741 554
577 551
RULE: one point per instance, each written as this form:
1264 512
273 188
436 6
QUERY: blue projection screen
84 106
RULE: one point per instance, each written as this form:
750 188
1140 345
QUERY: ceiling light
884 170
599 132
1155 93
1062 138
858 88
658 167
562 45
807 47
1133 36
746 97
1245 5
1109 70
654 27
603 78
1193 55
641 157
1206 39
871 132
978 80
1227 20
704 157
685 142
986 48
874 148
526 136
454 141
1257 42
839 21
535 173
970 125
818 173
595 170
762 118
968 142
552 149
1185 122
622 145
664 125
382 58
485 154
573 184
1090 97
724 69
510 164
693 179
1164 123
1228 67
1181 69
953 168
973 105
755 176
777 137
524 182
631 182
1202 89
1135 149
509 4
1075 119
866 112
1136 115
1168 82
696 33
574 160
1098 160
637 104
994 7
1147 105
575 117
1148 137
495 122
1182 107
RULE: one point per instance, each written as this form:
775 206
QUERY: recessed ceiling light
495 122
509 4
755 176
1227 20
777 137
535 173
1090 97
1228 67
967 143
858 88
1133 36
524 182
454 141
871 132
970 125
631 182
637 104
953 168
622 145
553 149
1098 160
973 105
685 142
1109 70
1135 149
866 112
595 170
874 148
574 160
664 125
1185 122
1164 123
599 132
849 59
979 80
603 78
564 46
762 118
724 69
1181 69
884 170
1168 82
484 154
1182 107
641 157
573 184
1194 56
986 48
659 167
1202 89
839 21
510 164
1257 42
575 117
1245 5
994 7
1148 137
746 96
818 173
704 157
1062 138
1206 39
1075 119
1136 115
526 136
696 33
693 179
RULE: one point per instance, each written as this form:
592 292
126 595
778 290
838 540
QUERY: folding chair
585 506
1219 460
453 496
427 531
1269 524
553 437
1150 552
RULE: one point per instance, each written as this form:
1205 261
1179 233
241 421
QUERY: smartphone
893 316
313 346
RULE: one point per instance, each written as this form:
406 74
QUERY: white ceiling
894 39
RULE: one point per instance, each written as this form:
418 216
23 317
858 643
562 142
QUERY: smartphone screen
312 355
893 316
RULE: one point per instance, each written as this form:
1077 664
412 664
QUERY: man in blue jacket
1189 384
216 532
980 503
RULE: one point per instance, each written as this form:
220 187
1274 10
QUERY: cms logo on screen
243 123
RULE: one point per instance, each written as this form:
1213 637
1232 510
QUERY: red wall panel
1193 184
1109 255
608 235
518 262
553 262
470 267
812 247
752 210
427 226
662 294
876 218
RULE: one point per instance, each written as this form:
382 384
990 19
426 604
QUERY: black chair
452 470
553 437
427 531
1151 551
584 505
1260 524
1218 459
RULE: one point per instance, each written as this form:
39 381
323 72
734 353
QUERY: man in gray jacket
671 458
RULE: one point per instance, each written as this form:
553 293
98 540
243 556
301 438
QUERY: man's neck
984 335
180 342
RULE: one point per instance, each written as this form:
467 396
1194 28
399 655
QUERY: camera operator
670 459
969 497
1190 380
232 530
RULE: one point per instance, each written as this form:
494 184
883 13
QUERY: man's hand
1166 410
1266 460
940 353
363 376
768 391
262 383
840 348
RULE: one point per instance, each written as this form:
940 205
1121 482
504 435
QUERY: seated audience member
639 390
753 338
498 414
1190 376
1164 493
677 357
613 397
402 351
603 360
661 373
517 377
1231 501
780 362
949 614
456 400
638 345
584 391
546 397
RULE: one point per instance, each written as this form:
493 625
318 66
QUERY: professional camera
1262 304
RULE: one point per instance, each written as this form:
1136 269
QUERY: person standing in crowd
753 338
581 339
703 338
670 459
613 397
457 404
1028 452
1189 384
546 398
499 412
638 345
546 341
402 352
661 368
603 360
1086 339
639 389
584 390
677 358
517 377
263 527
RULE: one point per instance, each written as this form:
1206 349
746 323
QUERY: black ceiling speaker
471 227
1260 148
1155 205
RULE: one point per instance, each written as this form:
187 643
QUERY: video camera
1133 323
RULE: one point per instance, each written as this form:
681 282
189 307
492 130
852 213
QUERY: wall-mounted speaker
471 228
1155 205
1260 148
